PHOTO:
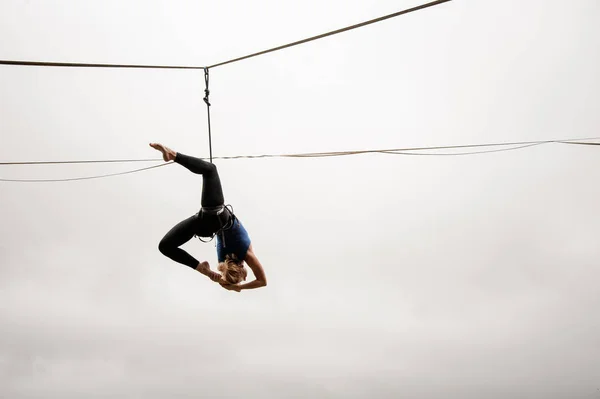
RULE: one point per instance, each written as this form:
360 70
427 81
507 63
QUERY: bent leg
212 192
177 236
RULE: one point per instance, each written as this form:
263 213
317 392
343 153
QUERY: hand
230 287
214 276
204 268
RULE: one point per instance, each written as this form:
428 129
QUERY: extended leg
212 192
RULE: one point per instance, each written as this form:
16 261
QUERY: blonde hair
232 269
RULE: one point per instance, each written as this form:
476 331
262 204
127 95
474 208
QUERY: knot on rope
206 91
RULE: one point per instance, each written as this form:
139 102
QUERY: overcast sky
389 276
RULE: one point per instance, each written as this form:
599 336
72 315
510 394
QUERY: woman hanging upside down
214 219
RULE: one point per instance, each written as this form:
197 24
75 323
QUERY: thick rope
334 32
86 65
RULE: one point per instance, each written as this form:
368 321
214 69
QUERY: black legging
201 225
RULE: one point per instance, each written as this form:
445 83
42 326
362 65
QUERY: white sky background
389 276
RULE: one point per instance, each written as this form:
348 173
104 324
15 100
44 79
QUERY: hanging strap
222 227
206 94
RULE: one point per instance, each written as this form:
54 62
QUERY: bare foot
204 268
167 153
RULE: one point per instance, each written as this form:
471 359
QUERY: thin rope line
341 153
462 153
337 31
76 162
335 153
209 134
582 143
206 100
81 178
390 152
